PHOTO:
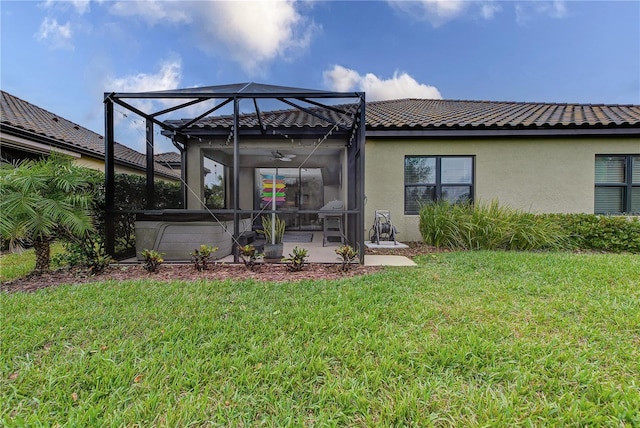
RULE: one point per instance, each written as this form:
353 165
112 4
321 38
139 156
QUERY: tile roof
21 115
424 114
168 158
421 113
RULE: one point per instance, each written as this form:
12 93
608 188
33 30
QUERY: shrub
600 233
130 195
202 256
348 255
297 260
152 260
249 256
85 253
488 226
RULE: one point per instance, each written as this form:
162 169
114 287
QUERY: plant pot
273 251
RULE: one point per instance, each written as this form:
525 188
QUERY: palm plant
41 200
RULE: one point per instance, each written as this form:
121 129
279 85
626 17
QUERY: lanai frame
354 134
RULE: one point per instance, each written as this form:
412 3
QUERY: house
538 157
296 161
28 131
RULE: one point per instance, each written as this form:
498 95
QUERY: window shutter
635 170
635 200
608 200
610 169
456 170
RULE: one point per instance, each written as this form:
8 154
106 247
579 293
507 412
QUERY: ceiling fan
284 158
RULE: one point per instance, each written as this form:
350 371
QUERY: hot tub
177 234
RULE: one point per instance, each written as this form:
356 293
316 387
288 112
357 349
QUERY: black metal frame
354 140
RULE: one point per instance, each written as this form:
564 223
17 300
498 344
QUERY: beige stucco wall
194 177
98 164
533 174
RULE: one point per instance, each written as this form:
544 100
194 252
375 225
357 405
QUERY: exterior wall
195 171
31 147
543 175
247 188
98 165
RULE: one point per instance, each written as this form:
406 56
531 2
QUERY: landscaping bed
186 272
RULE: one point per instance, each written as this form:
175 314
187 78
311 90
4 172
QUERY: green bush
601 233
130 195
348 255
297 259
88 252
152 260
201 257
488 226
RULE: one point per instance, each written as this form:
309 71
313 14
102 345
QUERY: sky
64 55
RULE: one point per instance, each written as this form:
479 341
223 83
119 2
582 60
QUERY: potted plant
273 231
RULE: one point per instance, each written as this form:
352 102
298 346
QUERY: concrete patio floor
327 254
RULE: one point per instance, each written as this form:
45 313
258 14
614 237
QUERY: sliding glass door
290 190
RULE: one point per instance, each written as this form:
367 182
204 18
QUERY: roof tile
449 114
20 114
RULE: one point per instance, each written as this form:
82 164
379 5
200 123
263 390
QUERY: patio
319 253
289 163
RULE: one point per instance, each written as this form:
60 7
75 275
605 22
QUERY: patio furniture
332 222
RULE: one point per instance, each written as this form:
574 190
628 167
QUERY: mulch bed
186 272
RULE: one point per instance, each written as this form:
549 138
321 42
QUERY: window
431 178
617 184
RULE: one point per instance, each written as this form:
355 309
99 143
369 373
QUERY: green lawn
464 339
16 265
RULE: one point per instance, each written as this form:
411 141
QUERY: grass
16 265
464 339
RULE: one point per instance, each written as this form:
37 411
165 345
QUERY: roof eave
502 132
43 139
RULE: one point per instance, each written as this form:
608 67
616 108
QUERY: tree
41 200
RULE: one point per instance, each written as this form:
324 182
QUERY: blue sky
63 55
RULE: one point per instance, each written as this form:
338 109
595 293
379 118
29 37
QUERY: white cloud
438 12
527 11
155 12
80 6
401 85
168 77
58 36
253 33
341 79
488 10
